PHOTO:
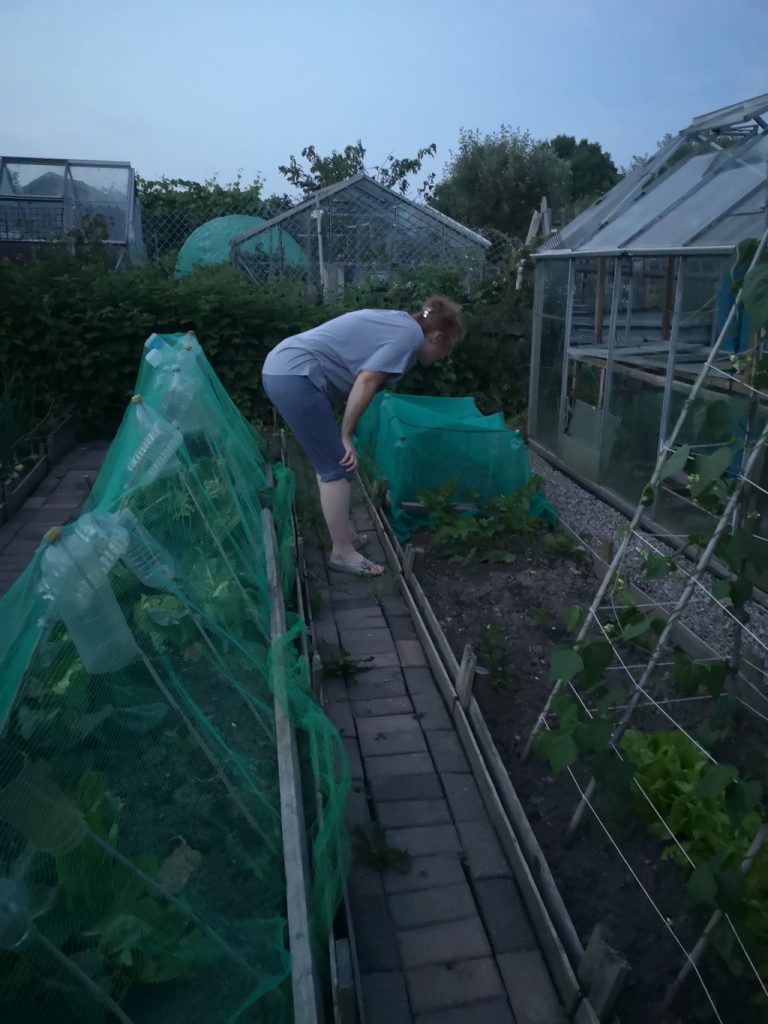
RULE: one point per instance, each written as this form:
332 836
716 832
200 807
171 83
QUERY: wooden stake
466 677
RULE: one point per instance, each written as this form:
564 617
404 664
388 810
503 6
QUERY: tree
173 207
322 171
593 171
497 180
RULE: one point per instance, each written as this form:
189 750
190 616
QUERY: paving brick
420 680
385 999
444 943
374 932
362 635
340 714
389 724
381 742
364 879
504 915
402 629
430 906
7 532
408 813
370 686
35 502
420 840
355 761
334 690
482 849
382 706
364 617
464 797
529 988
442 987
386 660
411 653
431 711
397 788
495 1011
357 813
399 764
359 647
426 873
394 606
447 751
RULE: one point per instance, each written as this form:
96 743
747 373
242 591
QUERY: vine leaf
564 664
559 749
715 780
676 462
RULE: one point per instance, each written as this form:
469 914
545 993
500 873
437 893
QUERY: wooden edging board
479 749
306 1002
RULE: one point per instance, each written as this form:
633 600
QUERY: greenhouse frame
44 201
354 231
631 296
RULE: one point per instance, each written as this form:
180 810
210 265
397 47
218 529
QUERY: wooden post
466 677
408 560
602 972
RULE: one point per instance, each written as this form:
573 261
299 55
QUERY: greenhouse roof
704 191
373 190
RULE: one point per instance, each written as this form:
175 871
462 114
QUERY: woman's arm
365 387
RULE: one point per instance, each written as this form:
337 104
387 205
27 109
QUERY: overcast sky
195 88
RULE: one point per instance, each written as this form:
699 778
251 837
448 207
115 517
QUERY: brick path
57 500
449 941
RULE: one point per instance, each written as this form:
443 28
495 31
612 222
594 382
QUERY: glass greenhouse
630 297
72 201
353 231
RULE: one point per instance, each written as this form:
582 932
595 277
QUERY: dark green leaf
596 656
741 798
656 567
719 418
574 617
611 773
558 748
721 589
702 887
593 735
636 628
716 778
567 709
676 462
565 662
731 887
711 467
694 675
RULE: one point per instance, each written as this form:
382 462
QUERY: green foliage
343 666
593 172
756 303
73 331
496 180
371 848
322 171
462 535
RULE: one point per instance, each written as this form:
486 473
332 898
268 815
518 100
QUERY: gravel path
594 519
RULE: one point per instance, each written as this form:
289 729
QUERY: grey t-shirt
334 353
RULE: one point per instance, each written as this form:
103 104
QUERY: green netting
209 243
141 859
418 443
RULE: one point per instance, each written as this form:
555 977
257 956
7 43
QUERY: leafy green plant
344 666
371 847
463 534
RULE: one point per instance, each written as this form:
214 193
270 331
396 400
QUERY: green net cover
209 243
418 443
141 860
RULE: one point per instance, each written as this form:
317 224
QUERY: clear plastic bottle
74 577
155 454
144 556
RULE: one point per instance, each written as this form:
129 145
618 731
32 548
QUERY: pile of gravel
595 520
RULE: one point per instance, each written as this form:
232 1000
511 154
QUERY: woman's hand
349 462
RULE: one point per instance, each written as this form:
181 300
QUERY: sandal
363 568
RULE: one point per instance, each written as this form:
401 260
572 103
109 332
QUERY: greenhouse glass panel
652 204
552 279
38 179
